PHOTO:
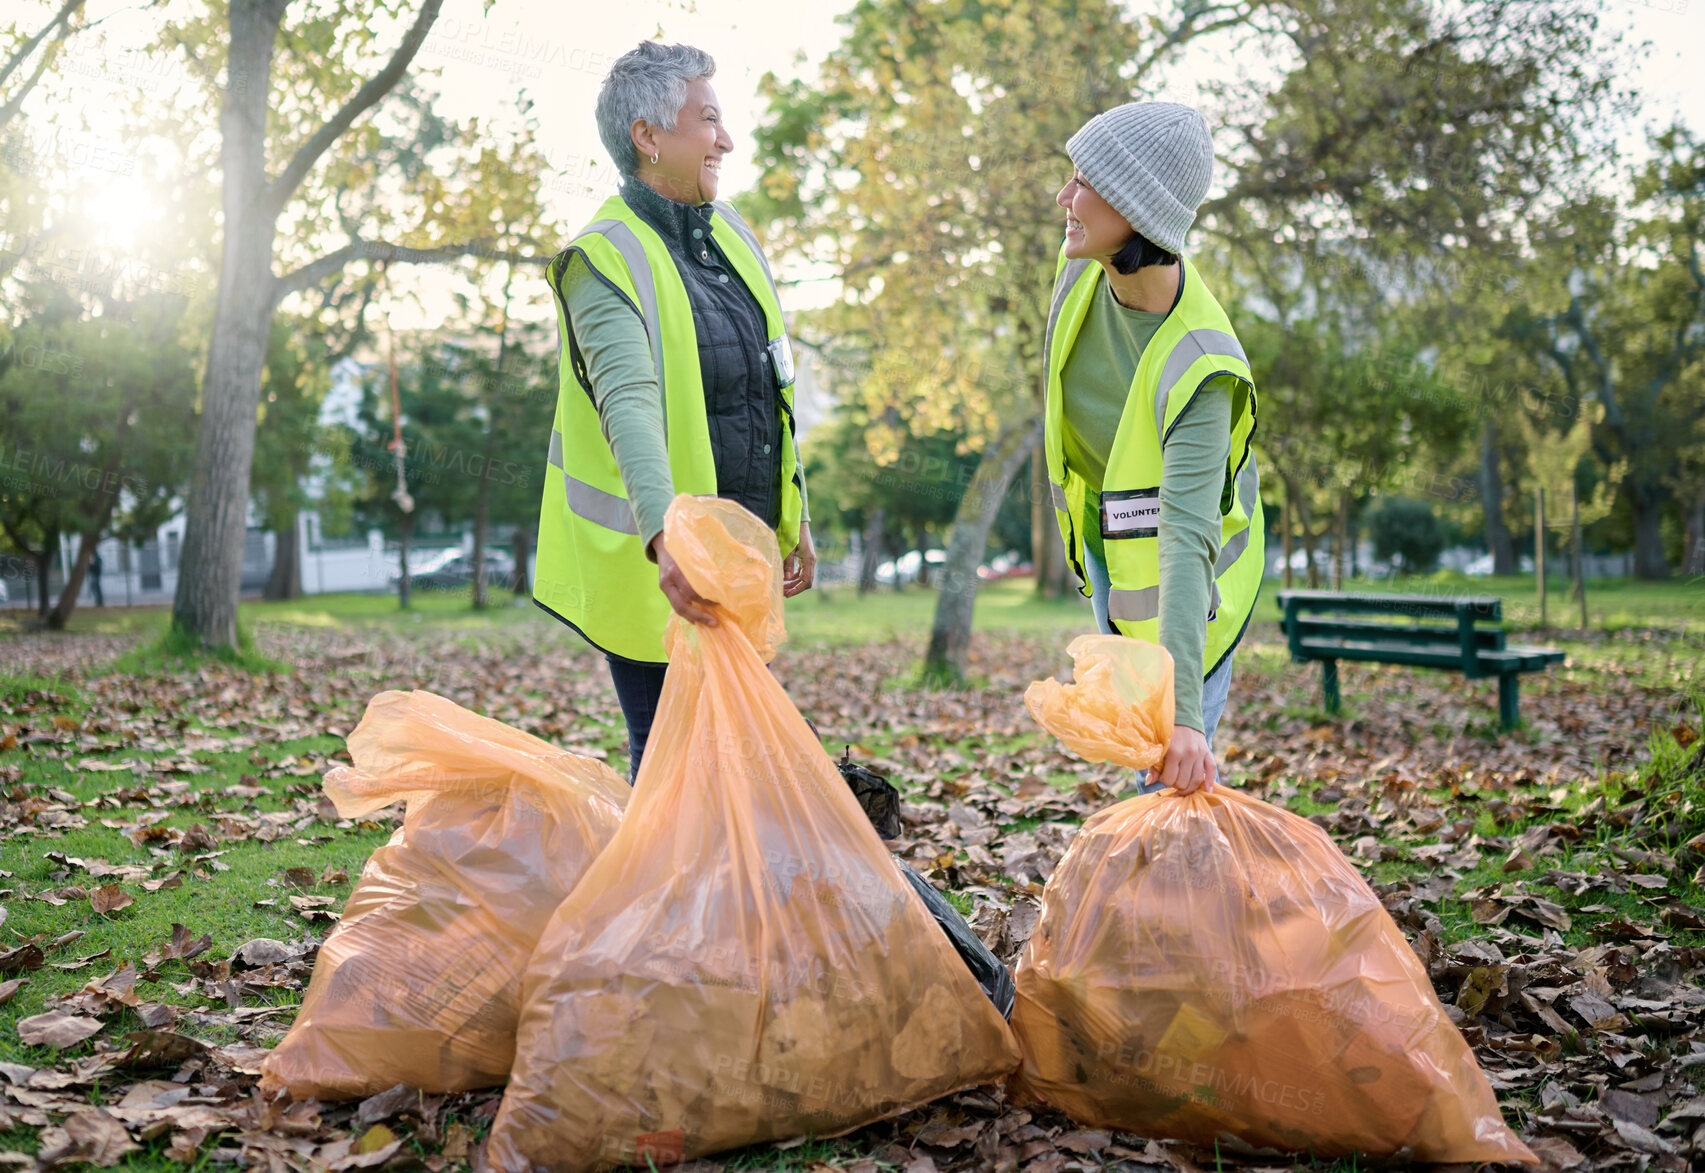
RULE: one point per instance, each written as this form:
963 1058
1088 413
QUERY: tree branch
319 269
1688 340
11 108
1188 30
1576 317
281 189
29 46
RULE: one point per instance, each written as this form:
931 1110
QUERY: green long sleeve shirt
1095 384
613 342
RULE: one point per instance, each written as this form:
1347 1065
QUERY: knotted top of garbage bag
1119 707
732 559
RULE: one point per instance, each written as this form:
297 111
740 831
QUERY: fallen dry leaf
91 1136
57 1029
110 898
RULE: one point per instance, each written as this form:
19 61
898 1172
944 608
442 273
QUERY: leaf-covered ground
168 865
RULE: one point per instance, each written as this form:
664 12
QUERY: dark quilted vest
742 405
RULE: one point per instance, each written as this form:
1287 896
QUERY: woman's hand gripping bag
1211 968
420 982
745 962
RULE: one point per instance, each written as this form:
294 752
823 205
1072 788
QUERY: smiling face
1094 229
689 158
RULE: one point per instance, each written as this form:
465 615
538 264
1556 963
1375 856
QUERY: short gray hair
649 82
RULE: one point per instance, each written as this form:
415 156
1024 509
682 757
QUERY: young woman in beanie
1150 411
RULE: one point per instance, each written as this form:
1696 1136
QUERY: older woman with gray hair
676 377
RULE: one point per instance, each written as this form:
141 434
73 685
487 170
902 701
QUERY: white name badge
1131 513
781 358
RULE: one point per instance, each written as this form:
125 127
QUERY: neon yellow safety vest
1193 346
591 571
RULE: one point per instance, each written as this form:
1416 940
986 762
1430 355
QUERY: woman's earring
654 158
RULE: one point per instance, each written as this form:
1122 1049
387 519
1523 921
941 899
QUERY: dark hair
1140 252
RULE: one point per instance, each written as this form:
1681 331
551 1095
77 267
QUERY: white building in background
147 574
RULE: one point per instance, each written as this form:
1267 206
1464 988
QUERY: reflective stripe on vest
639 272
589 501
1193 347
1134 606
1248 489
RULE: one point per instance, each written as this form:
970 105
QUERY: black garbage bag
993 976
881 803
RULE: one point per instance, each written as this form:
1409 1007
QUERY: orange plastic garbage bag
1211 968
745 962
420 982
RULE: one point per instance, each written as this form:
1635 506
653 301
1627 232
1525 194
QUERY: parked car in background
453 570
908 565
1007 565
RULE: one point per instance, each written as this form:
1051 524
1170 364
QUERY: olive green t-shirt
1095 384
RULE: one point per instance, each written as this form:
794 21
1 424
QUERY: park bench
1394 629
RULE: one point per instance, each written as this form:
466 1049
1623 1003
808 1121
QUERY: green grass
63 695
217 896
174 650
838 614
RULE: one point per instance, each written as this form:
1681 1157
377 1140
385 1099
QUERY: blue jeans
1215 689
638 687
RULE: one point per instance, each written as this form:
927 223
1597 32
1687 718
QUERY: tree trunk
482 503
403 585
950 636
1648 505
1047 546
1492 502
482 514
43 565
871 554
520 546
1575 552
1539 551
43 559
1287 512
1693 524
286 579
1341 541
106 500
57 618
211 566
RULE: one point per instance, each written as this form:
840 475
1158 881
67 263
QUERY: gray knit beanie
1152 162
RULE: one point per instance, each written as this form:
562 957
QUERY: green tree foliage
464 423
1408 532
294 385
1613 308
95 418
